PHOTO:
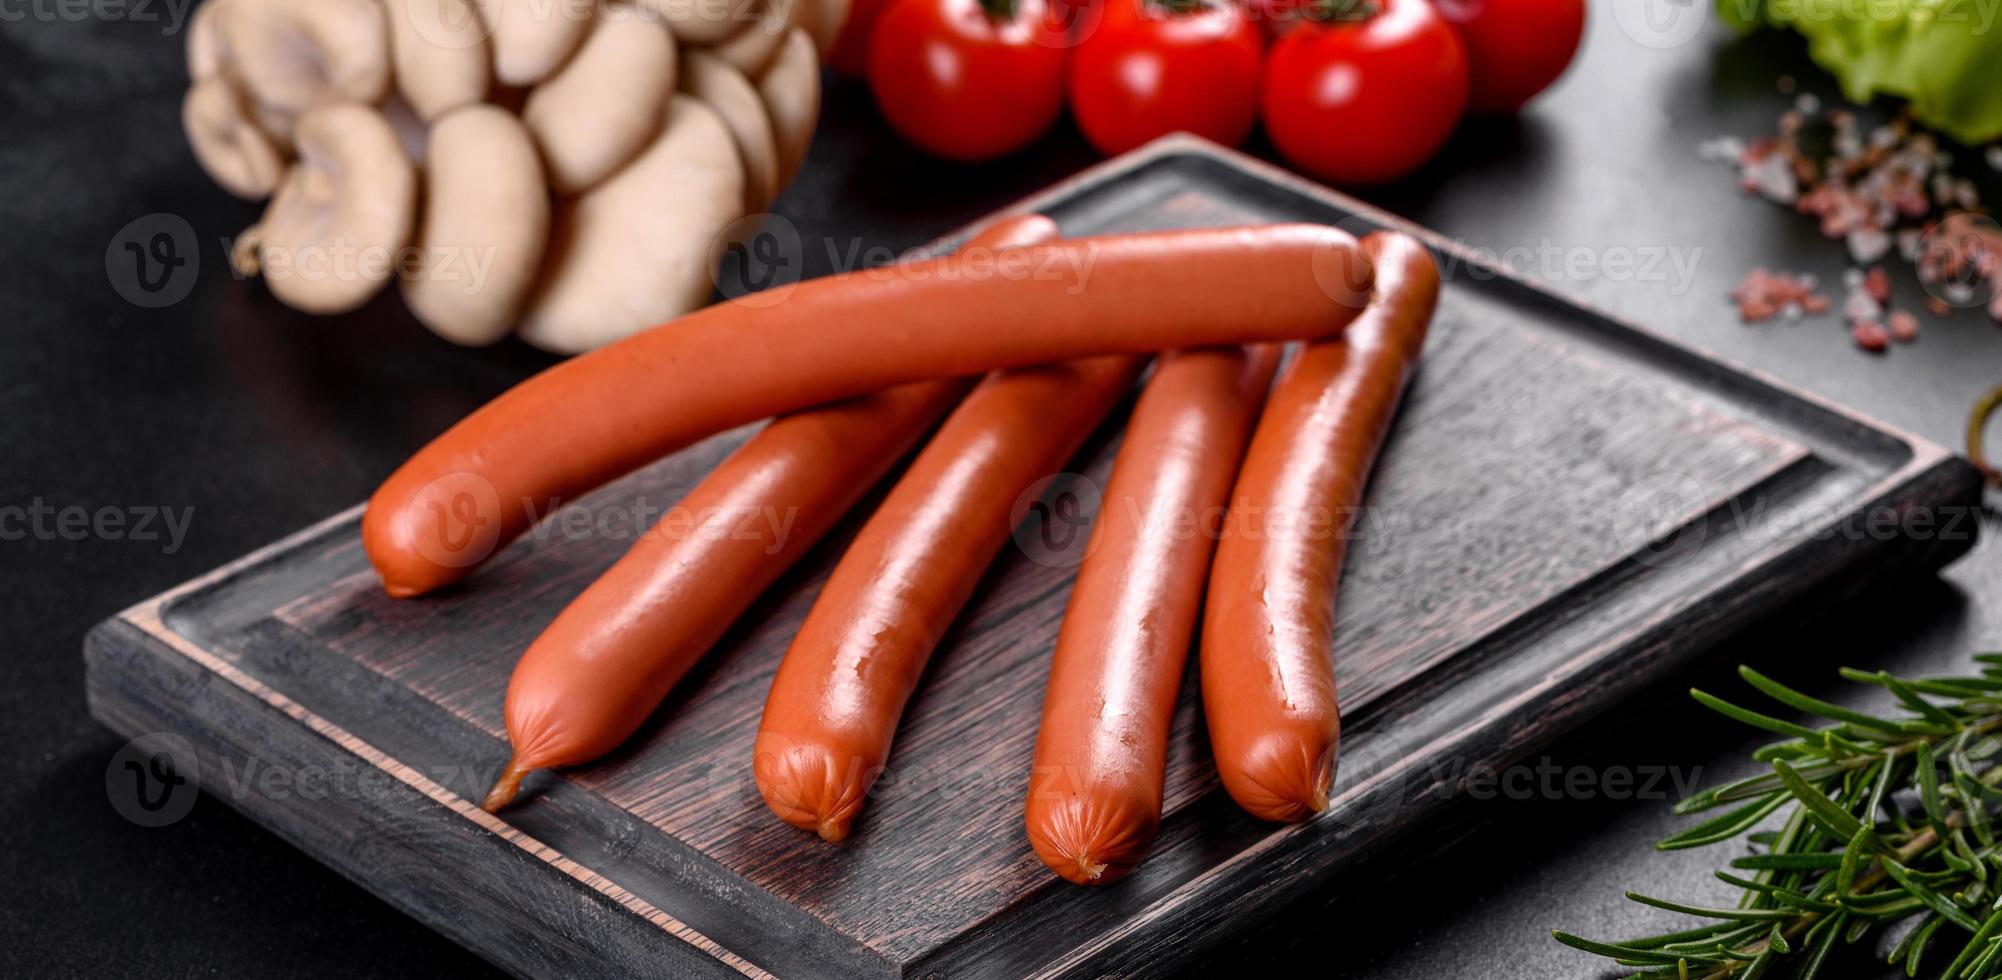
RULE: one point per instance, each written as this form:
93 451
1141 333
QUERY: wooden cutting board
1570 509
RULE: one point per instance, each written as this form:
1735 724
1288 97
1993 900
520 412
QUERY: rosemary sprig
1886 819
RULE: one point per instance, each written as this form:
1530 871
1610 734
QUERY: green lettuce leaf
1944 56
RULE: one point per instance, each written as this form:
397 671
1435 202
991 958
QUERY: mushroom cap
439 48
823 20
751 50
206 52
607 103
238 155
533 38
293 55
484 228
330 237
411 129
791 90
725 89
704 21
638 250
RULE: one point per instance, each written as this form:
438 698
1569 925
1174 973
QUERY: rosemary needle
1853 856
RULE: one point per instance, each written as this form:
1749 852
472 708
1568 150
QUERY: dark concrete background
262 421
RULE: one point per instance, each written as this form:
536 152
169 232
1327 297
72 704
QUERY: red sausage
592 678
1268 629
841 689
1095 793
599 416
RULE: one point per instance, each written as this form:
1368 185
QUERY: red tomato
1151 69
1517 47
851 46
1369 96
966 84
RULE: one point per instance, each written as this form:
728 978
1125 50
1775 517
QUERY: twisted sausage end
1090 838
506 788
810 785
1283 777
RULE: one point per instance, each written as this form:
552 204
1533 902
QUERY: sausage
589 420
835 703
1095 792
592 678
1268 625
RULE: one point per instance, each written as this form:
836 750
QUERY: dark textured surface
262 421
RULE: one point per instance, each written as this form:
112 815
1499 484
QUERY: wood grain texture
1568 509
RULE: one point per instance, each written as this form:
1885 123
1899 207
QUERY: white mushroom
330 237
823 19
639 249
205 45
439 48
230 146
533 38
791 90
711 79
411 129
606 104
751 51
705 21
484 228
293 55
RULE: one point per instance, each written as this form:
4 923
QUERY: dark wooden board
1571 508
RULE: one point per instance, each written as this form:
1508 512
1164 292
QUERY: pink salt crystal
1868 244
1870 335
1878 282
1904 326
